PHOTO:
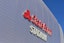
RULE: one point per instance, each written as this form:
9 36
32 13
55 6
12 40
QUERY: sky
57 8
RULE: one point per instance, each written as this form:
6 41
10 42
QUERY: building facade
28 21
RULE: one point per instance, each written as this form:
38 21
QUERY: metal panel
14 28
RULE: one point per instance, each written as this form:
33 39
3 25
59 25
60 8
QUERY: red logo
27 15
37 22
